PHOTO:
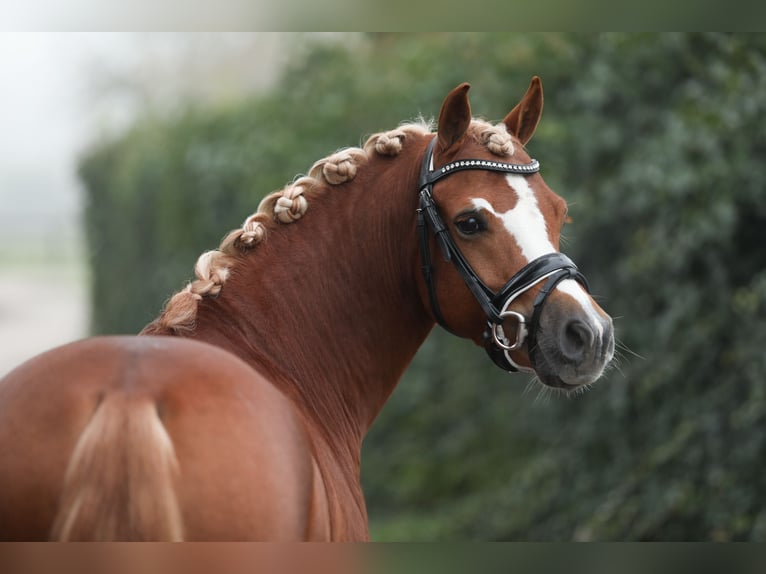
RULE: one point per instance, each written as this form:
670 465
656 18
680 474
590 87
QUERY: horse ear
454 118
522 120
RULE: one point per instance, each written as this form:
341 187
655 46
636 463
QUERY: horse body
240 412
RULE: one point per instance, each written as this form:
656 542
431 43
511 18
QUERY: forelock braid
496 138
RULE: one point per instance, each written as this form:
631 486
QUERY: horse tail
120 481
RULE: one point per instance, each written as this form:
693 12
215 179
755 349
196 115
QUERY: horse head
501 280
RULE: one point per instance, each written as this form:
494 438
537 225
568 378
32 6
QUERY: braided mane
288 205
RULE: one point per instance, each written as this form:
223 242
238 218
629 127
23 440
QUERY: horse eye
470 224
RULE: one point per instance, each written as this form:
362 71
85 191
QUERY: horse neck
329 307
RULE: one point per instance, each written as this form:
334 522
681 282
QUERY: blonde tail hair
119 484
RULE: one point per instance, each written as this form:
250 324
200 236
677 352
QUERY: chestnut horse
239 413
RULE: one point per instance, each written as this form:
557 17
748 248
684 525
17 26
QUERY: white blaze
575 290
526 224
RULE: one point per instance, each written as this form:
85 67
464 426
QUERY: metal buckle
521 331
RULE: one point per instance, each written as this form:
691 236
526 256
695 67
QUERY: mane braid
288 205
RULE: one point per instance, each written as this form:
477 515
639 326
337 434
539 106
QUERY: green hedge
658 144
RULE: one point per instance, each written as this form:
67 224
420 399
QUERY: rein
553 267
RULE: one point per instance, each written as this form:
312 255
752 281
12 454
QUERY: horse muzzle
575 341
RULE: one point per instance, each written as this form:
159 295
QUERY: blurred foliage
657 142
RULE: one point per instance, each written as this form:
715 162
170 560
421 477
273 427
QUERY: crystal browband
531 167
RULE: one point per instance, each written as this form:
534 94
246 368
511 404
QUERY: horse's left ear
522 120
454 118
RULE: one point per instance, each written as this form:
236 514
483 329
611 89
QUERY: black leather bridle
553 267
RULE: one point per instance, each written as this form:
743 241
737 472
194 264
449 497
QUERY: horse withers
239 413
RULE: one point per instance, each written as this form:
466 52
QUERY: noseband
552 267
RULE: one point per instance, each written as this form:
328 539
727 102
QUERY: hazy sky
44 120
43 126
60 90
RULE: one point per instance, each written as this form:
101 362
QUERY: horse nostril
576 339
